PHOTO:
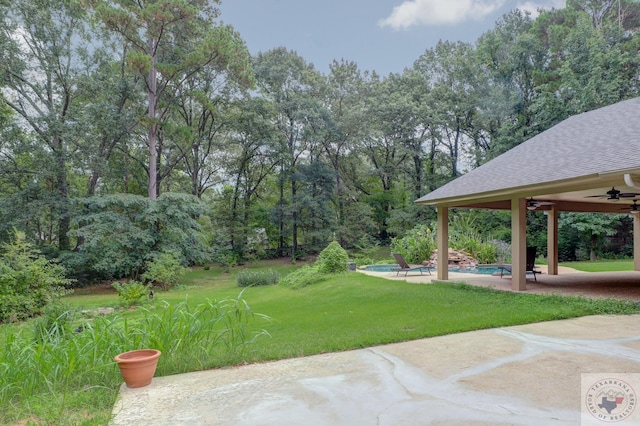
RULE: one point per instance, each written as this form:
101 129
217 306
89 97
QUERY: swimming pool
480 269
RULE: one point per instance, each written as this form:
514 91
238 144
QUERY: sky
382 35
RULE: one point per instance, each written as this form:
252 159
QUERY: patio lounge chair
530 266
406 268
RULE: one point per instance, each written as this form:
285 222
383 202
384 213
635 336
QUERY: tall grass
60 375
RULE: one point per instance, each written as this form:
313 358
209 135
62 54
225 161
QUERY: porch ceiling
573 199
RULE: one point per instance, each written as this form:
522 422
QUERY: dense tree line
129 128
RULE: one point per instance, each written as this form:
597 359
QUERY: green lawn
601 265
339 313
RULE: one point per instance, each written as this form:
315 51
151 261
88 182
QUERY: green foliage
218 242
247 278
503 251
417 245
122 231
366 246
581 236
55 323
132 292
73 380
471 242
313 202
357 222
28 281
116 233
465 235
190 336
366 249
80 268
165 270
302 277
333 259
355 150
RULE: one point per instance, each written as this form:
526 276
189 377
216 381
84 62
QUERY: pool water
481 269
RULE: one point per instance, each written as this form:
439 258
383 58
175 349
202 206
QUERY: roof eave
566 185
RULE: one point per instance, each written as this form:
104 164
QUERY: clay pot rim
137 355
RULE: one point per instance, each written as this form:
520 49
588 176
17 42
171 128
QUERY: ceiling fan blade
628 195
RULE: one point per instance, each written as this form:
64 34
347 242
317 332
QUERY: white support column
552 241
636 242
443 243
518 244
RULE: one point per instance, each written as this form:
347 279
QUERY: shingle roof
595 142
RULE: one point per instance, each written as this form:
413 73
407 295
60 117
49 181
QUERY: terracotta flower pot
138 367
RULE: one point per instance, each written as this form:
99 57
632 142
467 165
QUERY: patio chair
530 266
406 268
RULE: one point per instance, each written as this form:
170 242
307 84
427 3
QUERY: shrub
503 251
28 281
333 259
472 243
165 270
302 277
132 292
367 245
417 245
247 278
80 268
123 231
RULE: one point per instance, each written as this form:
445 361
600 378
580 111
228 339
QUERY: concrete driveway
523 375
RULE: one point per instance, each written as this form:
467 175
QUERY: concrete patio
522 375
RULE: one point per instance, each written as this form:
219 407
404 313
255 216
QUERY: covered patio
587 163
569 282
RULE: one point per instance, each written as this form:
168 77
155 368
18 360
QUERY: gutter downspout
630 182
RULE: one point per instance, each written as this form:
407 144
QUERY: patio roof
583 155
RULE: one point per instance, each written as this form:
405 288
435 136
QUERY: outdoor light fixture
532 204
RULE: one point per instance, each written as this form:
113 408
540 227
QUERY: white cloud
533 7
438 12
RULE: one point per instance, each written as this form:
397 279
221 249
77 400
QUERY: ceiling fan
614 195
633 208
534 204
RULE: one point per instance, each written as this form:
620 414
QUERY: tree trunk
153 129
281 214
294 219
64 219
